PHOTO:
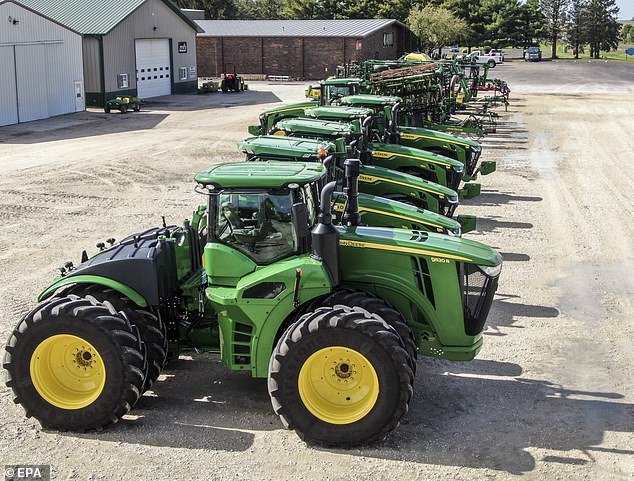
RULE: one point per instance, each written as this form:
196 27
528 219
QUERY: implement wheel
340 377
74 364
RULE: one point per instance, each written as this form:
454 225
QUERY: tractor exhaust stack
325 237
351 209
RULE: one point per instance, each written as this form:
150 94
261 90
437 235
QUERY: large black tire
152 331
123 109
376 305
92 322
106 109
358 331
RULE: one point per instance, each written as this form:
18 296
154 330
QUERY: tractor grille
477 295
448 209
472 160
453 179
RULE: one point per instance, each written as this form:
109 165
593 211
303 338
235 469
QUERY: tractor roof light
321 152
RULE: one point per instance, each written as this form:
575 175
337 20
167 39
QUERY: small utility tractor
333 315
231 81
123 104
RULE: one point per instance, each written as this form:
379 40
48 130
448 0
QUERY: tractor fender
130 293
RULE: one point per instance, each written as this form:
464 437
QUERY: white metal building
41 66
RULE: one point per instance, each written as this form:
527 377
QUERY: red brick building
300 49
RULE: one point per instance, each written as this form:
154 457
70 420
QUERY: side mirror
467 222
488 167
254 130
470 190
300 223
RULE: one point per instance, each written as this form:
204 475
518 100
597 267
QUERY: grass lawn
617 56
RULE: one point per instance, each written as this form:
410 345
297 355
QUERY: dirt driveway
551 396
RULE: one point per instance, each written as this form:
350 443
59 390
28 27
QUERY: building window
182 73
388 39
122 81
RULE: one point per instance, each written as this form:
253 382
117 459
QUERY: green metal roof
261 174
338 112
318 127
275 146
93 17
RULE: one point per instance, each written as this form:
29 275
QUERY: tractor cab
260 210
330 90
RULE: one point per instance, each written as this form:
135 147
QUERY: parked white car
493 58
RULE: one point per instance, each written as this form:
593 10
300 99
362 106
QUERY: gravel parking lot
551 395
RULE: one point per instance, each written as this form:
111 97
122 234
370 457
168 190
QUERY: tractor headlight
491 271
458 169
455 232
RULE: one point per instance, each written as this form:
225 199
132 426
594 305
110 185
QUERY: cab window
257 224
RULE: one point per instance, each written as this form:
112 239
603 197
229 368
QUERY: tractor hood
371 174
319 127
277 146
373 100
412 133
341 81
408 213
387 150
338 112
289 107
423 243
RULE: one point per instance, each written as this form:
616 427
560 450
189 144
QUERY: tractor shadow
79 125
481 414
507 309
459 419
215 100
495 198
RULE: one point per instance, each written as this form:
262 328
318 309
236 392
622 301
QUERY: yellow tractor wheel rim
67 371
338 385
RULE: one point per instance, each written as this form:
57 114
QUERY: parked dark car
533 54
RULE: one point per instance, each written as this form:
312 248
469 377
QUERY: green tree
555 13
603 28
300 9
435 27
627 33
576 27
530 24
471 11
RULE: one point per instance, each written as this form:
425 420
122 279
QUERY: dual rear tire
80 362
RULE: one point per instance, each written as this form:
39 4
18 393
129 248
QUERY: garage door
8 97
153 72
30 67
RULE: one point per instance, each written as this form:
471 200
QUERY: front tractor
333 315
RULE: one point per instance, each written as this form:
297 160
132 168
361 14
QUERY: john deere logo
381 155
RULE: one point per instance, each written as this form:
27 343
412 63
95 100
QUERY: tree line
437 23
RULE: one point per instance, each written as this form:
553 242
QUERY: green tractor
371 142
333 316
465 150
231 81
378 178
390 207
